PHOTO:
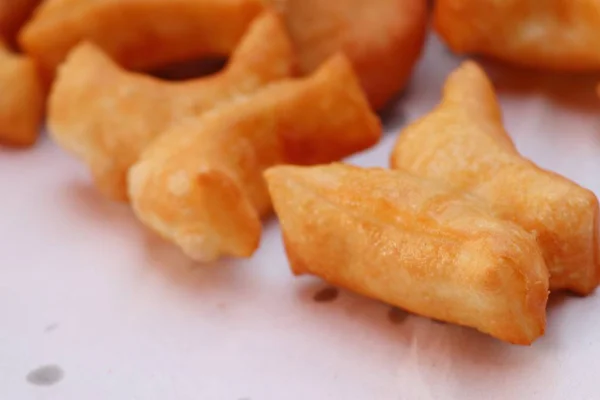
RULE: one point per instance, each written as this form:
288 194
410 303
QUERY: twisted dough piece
106 115
463 142
547 34
413 243
382 38
200 184
138 34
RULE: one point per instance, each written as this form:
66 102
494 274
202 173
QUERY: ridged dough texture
382 38
138 34
21 99
200 184
547 34
417 244
106 115
463 142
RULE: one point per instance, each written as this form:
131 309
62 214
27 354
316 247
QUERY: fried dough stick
200 184
463 142
413 243
106 116
138 34
21 99
382 38
547 34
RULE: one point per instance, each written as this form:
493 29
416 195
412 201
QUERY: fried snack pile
102 41
138 34
549 34
21 99
106 116
200 183
413 243
462 142
462 228
382 38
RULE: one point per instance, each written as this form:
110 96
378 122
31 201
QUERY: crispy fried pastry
464 143
13 14
412 243
382 38
138 34
200 184
548 34
21 99
106 115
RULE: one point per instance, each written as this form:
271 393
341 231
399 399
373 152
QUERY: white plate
89 293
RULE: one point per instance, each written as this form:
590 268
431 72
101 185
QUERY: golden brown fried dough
546 34
21 99
106 116
13 14
382 38
412 243
463 142
200 184
138 34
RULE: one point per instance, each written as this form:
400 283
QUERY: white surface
126 316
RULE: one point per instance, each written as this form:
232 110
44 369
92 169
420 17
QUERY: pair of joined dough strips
465 230
138 34
106 116
194 175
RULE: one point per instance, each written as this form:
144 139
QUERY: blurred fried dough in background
200 184
463 142
414 243
21 99
13 14
106 115
561 35
138 34
382 38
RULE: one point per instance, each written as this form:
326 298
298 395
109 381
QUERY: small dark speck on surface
326 295
397 316
51 327
45 375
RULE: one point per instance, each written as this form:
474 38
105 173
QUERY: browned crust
416 244
106 116
138 34
317 119
554 34
464 143
382 38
